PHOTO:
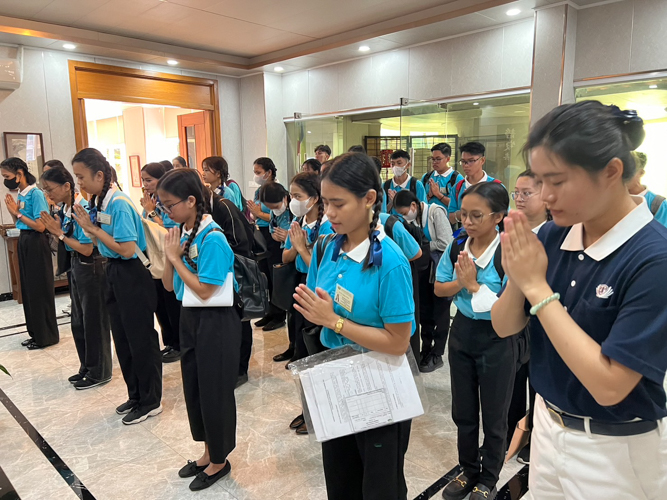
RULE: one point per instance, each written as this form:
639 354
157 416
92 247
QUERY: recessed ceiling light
364 48
69 46
278 69
172 62
475 104
653 86
309 132
513 12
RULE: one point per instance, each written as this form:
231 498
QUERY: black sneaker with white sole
140 414
75 378
524 455
127 407
89 383
431 363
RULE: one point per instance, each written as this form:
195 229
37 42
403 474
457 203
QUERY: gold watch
339 325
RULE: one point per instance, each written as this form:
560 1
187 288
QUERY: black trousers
368 465
246 347
415 340
37 288
434 316
210 345
482 367
295 325
168 315
274 256
91 327
131 302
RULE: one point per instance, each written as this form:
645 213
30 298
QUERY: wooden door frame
208 135
91 81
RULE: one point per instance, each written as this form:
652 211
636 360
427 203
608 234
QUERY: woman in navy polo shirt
35 265
372 277
592 284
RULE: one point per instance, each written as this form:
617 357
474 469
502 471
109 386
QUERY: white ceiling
235 37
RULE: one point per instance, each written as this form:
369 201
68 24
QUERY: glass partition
649 98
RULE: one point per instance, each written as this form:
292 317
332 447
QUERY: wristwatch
19 215
339 325
153 214
61 237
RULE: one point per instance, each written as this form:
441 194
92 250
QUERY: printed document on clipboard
360 392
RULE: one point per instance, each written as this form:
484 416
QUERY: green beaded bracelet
537 307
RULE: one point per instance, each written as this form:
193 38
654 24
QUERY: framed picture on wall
135 170
27 146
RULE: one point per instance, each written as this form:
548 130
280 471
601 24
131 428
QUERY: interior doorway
195 138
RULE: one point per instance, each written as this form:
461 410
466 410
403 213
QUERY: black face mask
12 184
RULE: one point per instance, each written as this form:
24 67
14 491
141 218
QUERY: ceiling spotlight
475 104
172 62
653 86
278 69
309 132
69 46
513 12
364 48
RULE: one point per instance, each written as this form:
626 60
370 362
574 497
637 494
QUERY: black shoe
140 414
191 469
88 383
263 322
241 380
431 363
302 430
127 407
524 455
274 324
284 356
482 492
171 356
297 422
32 346
26 342
458 488
76 378
203 480
166 349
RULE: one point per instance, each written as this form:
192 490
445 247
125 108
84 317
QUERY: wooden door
195 137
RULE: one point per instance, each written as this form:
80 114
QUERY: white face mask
299 208
278 212
399 171
412 215
259 180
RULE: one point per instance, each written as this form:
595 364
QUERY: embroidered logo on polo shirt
604 291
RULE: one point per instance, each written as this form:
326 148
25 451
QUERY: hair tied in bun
632 125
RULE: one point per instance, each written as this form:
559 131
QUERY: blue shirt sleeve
445 270
122 222
644 349
215 259
661 214
396 296
421 192
39 204
405 241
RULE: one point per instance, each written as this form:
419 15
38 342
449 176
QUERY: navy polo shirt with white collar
614 290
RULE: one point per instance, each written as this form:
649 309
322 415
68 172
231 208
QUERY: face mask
412 215
12 184
279 211
299 208
399 171
259 180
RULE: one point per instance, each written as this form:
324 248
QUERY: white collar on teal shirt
27 190
444 174
108 197
488 254
311 225
205 222
613 239
483 179
358 253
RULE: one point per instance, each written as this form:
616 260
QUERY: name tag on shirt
344 298
194 252
104 218
21 205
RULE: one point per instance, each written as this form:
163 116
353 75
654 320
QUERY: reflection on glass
649 99
192 146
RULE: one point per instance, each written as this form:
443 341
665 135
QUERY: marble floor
117 462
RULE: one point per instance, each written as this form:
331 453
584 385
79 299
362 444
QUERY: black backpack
423 262
412 186
459 244
655 204
450 183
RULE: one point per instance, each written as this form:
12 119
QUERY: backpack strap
386 185
452 180
322 242
459 186
413 185
427 178
457 245
389 226
498 262
497 181
655 204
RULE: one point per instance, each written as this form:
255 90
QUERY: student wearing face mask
400 165
434 312
310 222
265 173
276 198
35 265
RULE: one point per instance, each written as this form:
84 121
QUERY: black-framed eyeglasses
475 217
524 195
436 160
167 208
463 163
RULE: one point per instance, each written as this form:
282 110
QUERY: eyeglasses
464 163
475 217
525 195
436 160
167 209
